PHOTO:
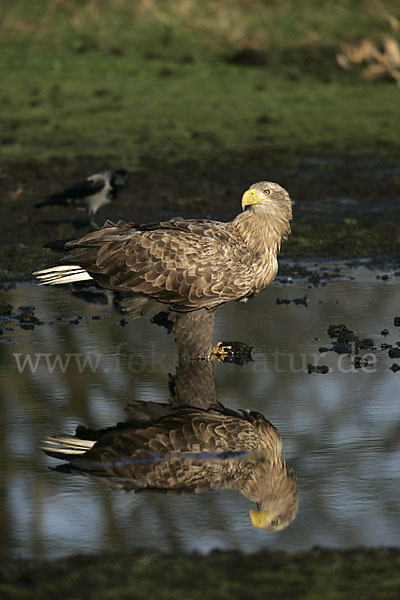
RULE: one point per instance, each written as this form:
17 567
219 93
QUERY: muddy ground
344 207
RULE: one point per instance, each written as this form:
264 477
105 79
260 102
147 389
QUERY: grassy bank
330 574
122 80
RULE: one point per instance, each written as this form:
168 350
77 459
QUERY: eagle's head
278 501
274 518
268 194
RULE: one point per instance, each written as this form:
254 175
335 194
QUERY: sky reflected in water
340 430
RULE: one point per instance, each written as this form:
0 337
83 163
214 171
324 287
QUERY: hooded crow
91 194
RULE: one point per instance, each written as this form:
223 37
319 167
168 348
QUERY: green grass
332 575
124 80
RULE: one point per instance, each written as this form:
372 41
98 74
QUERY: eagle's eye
266 192
275 522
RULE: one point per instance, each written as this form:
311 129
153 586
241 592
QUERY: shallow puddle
340 429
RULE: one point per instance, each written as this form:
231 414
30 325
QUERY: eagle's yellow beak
261 518
250 197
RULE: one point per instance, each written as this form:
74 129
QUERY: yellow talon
221 352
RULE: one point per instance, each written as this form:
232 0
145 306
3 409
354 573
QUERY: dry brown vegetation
382 58
256 24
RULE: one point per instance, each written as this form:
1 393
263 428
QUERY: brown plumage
156 430
187 263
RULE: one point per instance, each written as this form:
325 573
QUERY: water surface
340 430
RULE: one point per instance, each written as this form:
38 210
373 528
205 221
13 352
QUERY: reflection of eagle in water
186 263
119 456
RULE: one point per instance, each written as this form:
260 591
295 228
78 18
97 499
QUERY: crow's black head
118 178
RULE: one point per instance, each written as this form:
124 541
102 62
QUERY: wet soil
345 208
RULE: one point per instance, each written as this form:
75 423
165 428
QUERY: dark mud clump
315 277
322 369
394 353
299 301
5 309
24 315
336 331
161 319
346 341
359 362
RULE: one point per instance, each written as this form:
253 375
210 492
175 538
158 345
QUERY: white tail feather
62 274
65 445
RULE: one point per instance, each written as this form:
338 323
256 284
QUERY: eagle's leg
193 384
193 333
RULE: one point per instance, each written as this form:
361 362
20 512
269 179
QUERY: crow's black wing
81 190
74 193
